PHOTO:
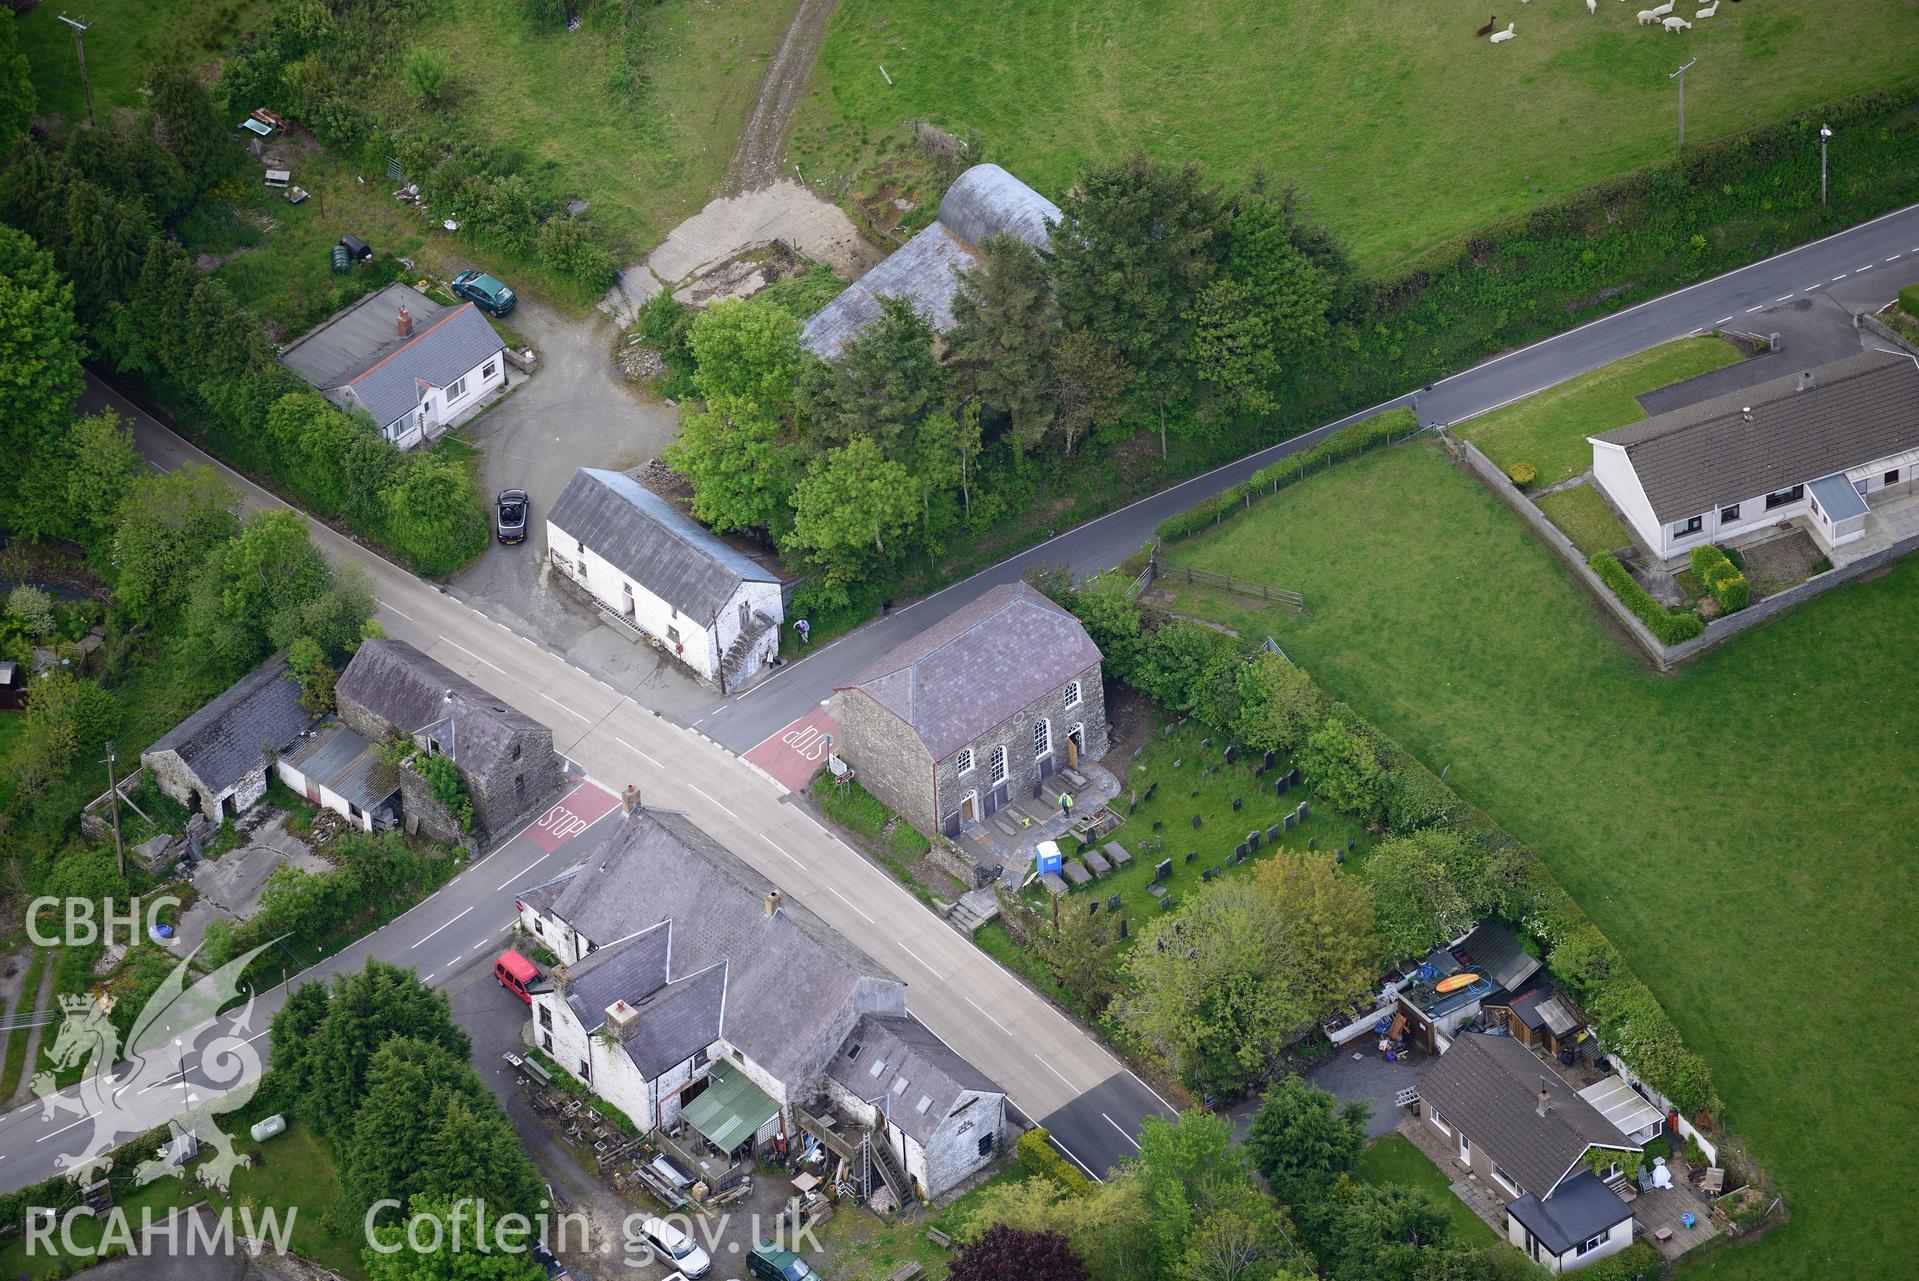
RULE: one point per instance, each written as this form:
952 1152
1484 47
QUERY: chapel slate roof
357 357
984 201
1691 460
901 1059
978 666
229 738
790 978
408 690
1488 1087
654 543
1580 1210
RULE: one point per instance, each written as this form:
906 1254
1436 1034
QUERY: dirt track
756 161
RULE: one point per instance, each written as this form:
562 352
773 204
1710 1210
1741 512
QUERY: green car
488 291
770 1263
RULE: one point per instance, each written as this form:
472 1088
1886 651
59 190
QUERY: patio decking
1664 1208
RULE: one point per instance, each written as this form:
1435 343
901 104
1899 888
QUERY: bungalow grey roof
901 1061
1492 949
230 737
346 764
978 666
358 358
790 978
1488 1087
654 543
1859 410
984 201
1582 1209
416 694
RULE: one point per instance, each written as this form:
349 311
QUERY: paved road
1862 267
1051 1069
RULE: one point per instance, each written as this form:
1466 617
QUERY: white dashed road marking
1722 320
922 960
1750 310
775 844
636 751
1056 1072
850 903
702 791
463 912
1782 298
989 1018
562 706
1841 276
401 613
475 657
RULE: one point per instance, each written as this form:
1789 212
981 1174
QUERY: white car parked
675 1249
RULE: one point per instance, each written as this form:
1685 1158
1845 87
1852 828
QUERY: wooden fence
1238 586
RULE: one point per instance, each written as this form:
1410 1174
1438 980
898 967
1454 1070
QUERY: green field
1401 129
1741 829
1392 1160
124 38
1582 515
1549 429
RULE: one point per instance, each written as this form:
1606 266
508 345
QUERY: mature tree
418 1099
1011 1254
65 715
1434 885
432 516
740 463
1190 668
391 1256
1082 951
193 130
290 1037
1089 382
1384 1233
32 609
1247 1242
167 524
102 246
1136 246
1302 1139
747 351
160 304
1005 323
941 458
852 502
365 1009
39 346
316 676
884 385
1231 353
1339 760
17 99
1107 1223
1113 621
1289 290
1277 704
103 466
1332 949
33 184
474 1151
227 341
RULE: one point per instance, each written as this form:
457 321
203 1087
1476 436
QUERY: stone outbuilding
505 757
216 761
982 707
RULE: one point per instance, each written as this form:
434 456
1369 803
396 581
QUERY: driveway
575 411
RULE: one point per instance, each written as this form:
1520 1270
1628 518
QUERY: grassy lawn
858 1246
1699 817
1549 430
1399 128
1582 515
124 38
157 1197
1391 1159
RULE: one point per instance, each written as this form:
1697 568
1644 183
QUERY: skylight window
926 1101
879 1066
899 1086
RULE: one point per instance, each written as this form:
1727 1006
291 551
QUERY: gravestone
1216 869
1151 788
1132 805
1205 742
1191 855
1177 762
1349 844
1166 903
1164 870
1293 777
1207 875
1305 811
1252 840
1237 802
1272 834
1092 908
1266 761
1122 927
1290 820
1312 842
1232 754
1339 856
1195 822
1239 852
1158 823
1112 904
1281 786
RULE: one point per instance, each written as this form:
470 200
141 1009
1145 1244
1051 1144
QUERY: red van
519 976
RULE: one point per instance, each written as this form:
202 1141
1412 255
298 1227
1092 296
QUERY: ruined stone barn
216 761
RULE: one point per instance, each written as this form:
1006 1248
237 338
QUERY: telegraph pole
79 26
113 802
1680 76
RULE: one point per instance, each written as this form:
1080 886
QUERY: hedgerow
1718 575
1670 626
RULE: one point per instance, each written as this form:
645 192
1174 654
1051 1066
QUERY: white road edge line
776 845
1155 1093
636 751
722 804
1122 1131
463 912
855 906
989 1018
1076 1161
63 1129
475 657
523 871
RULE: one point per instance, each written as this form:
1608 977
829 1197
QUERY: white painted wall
329 799
1613 473
437 407
1617 1239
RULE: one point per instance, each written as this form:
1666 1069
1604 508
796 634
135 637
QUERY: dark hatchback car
488 291
512 518
769 1262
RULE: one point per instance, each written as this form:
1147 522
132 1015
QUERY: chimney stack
772 901
405 324
1805 381
1544 1097
1746 413
622 1020
630 799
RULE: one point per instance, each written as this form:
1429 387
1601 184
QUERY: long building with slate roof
984 201
690 991
414 365
655 570
1815 445
215 762
980 708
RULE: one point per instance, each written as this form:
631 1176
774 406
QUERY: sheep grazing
1647 17
1678 24
1501 37
1661 10
1488 28
1708 11
1592 6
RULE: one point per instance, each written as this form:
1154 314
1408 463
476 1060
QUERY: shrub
1909 301
1637 1260
1522 474
1670 627
1415 797
568 247
1038 1155
1718 575
1341 764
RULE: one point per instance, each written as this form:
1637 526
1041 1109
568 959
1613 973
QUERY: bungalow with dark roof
690 991
659 572
505 757
982 706
215 762
1819 445
1513 1122
414 365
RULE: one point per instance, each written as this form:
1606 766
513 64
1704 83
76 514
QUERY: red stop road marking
572 814
794 754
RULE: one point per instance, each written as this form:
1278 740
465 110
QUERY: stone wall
1015 734
515 789
888 759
